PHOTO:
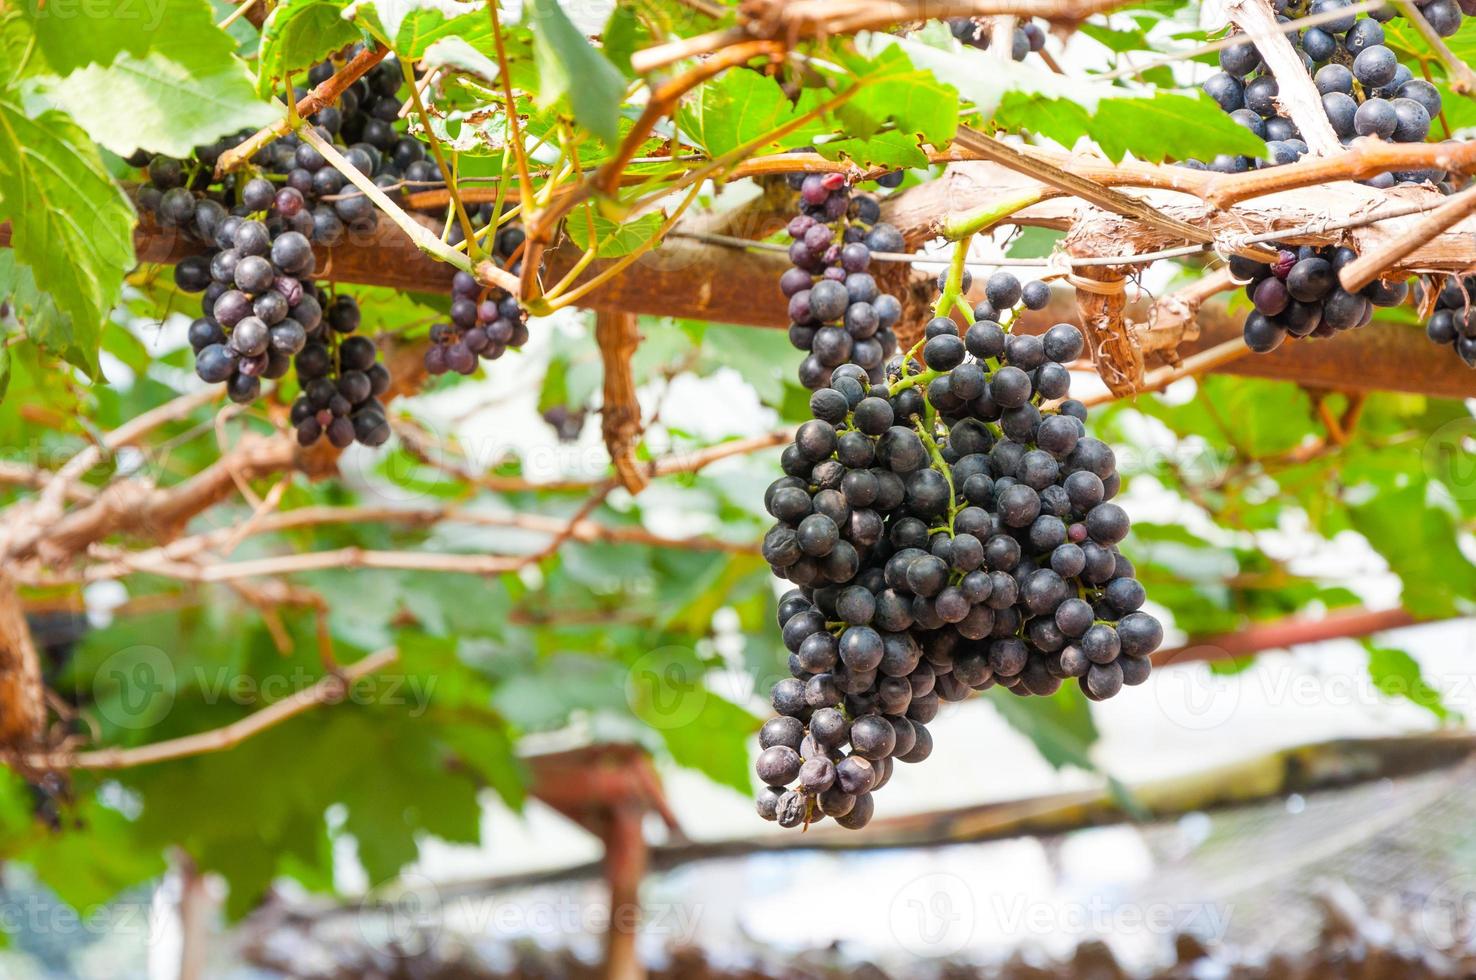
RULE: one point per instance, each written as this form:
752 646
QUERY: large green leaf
1397 674
739 107
71 34
409 27
1418 541
69 222
570 68
165 103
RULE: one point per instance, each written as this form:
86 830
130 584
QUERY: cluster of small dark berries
341 381
362 125
484 322
949 528
1365 90
1453 324
838 313
1299 295
976 33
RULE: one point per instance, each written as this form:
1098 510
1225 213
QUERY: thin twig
1462 79
321 96
327 690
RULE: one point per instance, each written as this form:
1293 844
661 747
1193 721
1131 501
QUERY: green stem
987 215
921 378
925 431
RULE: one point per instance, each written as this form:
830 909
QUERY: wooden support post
626 856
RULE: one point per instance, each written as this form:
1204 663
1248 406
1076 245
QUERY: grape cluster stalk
948 527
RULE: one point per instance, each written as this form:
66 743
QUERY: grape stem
986 216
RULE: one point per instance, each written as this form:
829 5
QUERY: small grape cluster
1453 324
484 322
976 33
361 126
838 313
1299 295
1365 92
341 380
949 528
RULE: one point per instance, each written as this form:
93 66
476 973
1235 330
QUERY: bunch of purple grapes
838 313
1299 295
484 322
1365 90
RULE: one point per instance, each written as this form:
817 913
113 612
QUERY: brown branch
1297 96
327 690
320 97
620 413
1207 360
22 697
794 20
1368 266
1285 633
1363 158
1090 191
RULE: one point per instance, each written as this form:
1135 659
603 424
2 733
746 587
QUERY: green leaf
739 107
165 103
1397 674
1419 543
1170 126
297 35
409 27
908 96
1060 726
70 223
615 238
457 55
74 33
569 68
888 149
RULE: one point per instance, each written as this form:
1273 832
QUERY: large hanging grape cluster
978 33
1365 90
261 313
948 528
1453 324
1298 295
838 313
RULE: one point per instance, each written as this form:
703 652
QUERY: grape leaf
898 90
715 742
69 222
1397 674
739 107
162 103
1060 726
298 34
615 238
1170 126
74 33
570 68
409 27
1419 543
456 54
889 149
